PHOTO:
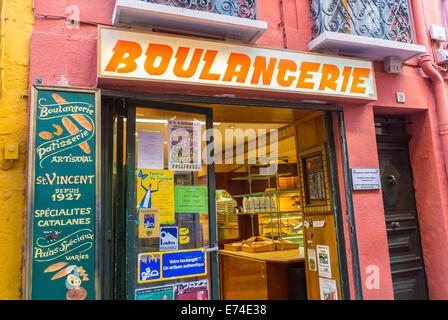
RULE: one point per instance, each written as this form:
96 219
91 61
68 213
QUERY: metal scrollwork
239 8
383 19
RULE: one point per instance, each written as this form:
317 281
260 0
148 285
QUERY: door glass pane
172 228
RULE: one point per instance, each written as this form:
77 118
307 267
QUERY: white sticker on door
328 289
323 261
312 263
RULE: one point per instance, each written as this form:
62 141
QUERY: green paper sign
155 293
63 177
190 199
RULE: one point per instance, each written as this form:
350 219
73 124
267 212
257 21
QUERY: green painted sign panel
64 179
190 199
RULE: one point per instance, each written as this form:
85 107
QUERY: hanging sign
144 56
63 193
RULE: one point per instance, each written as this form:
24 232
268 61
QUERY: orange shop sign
145 56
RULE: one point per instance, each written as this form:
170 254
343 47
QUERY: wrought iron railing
238 8
383 19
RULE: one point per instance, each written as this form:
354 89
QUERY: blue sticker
183 264
159 266
169 238
149 220
149 267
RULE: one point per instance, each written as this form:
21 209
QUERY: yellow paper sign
149 224
155 190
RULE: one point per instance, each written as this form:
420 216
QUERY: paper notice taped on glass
150 150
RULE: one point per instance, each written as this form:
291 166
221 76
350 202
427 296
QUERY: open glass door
171 232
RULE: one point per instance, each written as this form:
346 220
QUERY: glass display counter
284 223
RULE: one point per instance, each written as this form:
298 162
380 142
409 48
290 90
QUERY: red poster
196 290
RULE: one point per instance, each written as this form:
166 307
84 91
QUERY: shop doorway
293 251
406 258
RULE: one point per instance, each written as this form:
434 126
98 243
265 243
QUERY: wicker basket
285 245
231 247
266 248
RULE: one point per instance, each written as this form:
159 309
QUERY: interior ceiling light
166 121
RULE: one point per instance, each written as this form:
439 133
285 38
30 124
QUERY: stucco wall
13 128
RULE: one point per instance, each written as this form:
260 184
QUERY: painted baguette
63 272
83 121
46 135
58 99
56 266
73 129
78 117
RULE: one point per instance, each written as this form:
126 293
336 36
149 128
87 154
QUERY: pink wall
58 51
61 53
431 192
368 205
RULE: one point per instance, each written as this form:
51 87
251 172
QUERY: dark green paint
64 194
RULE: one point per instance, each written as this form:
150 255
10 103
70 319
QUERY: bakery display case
261 237
227 215
263 246
274 213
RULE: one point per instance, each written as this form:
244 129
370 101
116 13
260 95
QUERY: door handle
391 179
395 225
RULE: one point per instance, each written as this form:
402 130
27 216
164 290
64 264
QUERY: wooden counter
274 275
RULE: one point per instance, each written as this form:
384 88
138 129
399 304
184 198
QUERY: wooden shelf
277 191
261 176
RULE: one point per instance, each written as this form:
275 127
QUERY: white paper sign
318 224
150 150
323 261
328 289
312 261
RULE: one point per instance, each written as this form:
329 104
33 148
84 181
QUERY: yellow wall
18 26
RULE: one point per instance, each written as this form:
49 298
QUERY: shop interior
259 199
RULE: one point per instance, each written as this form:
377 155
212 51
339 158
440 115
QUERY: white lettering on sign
134 55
